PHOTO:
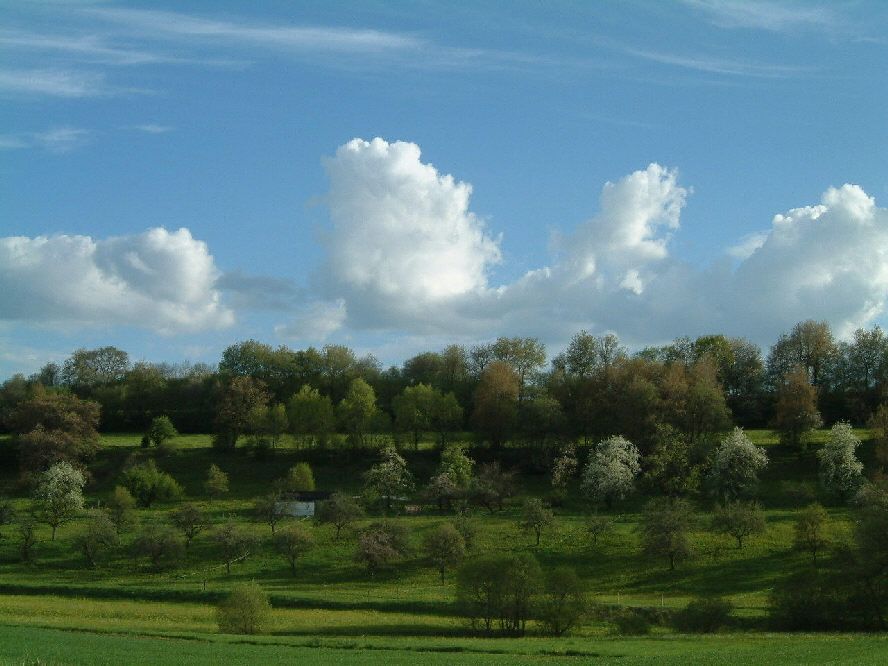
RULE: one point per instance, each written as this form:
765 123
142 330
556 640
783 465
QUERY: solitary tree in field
269 509
381 544
121 508
190 521
610 473
841 472
536 517
162 546
59 495
234 544
664 529
736 465
292 542
300 478
445 547
99 538
739 520
810 532
339 511
564 602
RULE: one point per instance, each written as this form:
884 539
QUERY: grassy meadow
58 610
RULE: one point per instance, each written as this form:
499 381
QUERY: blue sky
178 176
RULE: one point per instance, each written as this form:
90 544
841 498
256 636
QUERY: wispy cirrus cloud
53 82
716 65
772 16
53 140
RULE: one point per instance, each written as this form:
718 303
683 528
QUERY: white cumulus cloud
161 280
402 237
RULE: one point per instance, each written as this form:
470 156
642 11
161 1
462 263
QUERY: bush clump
244 611
703 616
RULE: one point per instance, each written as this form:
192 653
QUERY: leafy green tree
357 409
809 346
496 592
564 603
190 520
524 355
390 477
245 611
611 470
311 415
665 527
841 473
736 465
88 368
52 427
292 542
300 478
148 484
99 538
496 402
739 519
339 511
216 484
445 547
669 466
413 410
810 530
795 412
598 527
161 430
59 495
536 517
235 408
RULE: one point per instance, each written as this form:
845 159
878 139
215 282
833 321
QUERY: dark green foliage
664 529
629 622
445 547
703 616
161 430
669 467
536 517
190 520
163 548
810 528
120 507
563 602
216 484
148 484
496 592
739 520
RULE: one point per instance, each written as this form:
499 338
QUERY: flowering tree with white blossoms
736 465
59 494
840 470
611 470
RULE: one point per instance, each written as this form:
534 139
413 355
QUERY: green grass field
57 610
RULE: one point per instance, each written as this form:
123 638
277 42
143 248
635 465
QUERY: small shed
300 504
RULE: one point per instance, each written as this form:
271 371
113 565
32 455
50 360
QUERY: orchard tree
99 538
736 465
669 467
389 477
190 520
810 530
234 544
292 542
59 495
563 604
340 511
269 509
536 517
564 469
739 519
380 544
841 473
162 546
121 508
493 486
445 547
665 524
611 470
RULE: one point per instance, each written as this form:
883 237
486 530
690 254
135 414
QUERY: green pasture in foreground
28 645
59 611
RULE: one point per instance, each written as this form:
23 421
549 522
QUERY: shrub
216 484
162 546
148 484
703 616
99 538
245 611
564 603
120 508
629 622
300 478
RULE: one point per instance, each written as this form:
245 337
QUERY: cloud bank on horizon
406 255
